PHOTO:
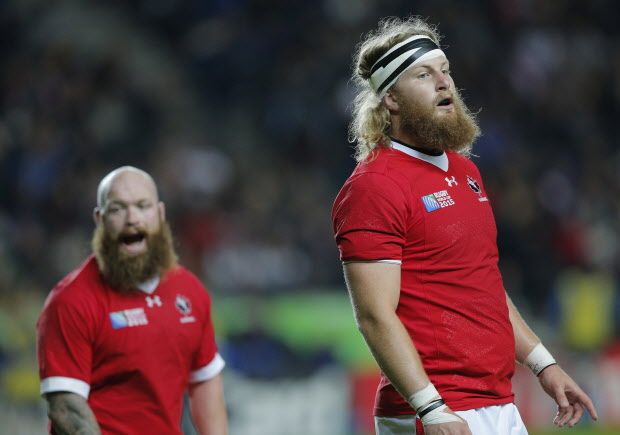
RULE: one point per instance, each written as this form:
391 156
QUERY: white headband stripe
398 59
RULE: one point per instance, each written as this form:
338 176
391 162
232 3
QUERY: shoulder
388 162
82 284
78 298
460 160
382 173
179 276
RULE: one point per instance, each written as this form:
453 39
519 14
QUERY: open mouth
130 239
445 102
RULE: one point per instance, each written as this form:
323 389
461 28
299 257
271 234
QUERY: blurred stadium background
239 109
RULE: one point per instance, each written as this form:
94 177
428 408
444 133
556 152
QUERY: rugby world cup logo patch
437 200
128 318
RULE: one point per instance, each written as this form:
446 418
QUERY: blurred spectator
240 107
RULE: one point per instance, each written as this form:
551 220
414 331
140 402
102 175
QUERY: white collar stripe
441 161
149 285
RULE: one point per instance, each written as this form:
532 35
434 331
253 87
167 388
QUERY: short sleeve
370 219
207 362
64 347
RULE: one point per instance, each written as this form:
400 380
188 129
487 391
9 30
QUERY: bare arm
70 414
208 408
525 339
374 289
562 388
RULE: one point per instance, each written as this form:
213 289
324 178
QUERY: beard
124 272
454 131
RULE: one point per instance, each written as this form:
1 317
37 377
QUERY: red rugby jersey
432 215
131 355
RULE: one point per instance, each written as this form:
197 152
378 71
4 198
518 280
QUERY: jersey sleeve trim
373 261
61 383
209 371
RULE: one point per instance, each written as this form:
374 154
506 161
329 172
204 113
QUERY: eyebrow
121 202
429 67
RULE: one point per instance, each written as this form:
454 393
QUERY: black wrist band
545 368
434 405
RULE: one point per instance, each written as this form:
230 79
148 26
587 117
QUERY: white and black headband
398 59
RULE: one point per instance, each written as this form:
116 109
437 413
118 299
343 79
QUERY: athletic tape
423 397
538 359
437 416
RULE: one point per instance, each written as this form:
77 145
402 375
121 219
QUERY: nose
442 82
133 216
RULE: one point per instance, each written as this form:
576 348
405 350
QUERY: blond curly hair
370 123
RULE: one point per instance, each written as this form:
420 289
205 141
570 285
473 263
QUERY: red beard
452 132
124 272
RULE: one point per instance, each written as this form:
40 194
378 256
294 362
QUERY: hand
452 428
570 398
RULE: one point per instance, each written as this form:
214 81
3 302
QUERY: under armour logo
152 301
451 181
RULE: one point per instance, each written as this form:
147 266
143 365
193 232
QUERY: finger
578 412
585 400
567 416
563 406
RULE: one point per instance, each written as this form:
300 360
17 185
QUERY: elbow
369 322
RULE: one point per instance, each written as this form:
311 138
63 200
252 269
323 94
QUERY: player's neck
423 150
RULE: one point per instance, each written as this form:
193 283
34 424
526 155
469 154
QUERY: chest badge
184 306
473 185
128 318
437 200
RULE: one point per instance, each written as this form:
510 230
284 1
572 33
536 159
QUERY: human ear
97 215
391 102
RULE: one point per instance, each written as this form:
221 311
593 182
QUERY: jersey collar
440 161
149 285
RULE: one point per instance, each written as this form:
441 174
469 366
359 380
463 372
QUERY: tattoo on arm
71 415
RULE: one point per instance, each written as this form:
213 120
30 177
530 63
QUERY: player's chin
445 111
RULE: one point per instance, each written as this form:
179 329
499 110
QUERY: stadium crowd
239 108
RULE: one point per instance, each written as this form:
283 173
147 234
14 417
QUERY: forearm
394 351
525 339
71 415
208 407
375 290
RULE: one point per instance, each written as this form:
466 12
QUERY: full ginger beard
454 131
124 272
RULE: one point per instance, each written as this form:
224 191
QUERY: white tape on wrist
438 415
423 397
539 359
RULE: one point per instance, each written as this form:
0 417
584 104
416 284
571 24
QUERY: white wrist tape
538 359
438 415
423 397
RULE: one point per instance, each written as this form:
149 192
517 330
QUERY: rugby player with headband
417 240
